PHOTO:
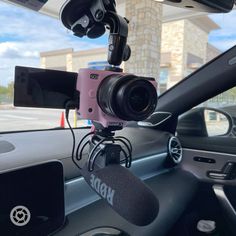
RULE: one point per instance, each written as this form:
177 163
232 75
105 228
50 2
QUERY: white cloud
225 37
3 67
7 70
24 34
14 50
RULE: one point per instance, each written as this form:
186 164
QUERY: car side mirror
217 123
205 122
219 6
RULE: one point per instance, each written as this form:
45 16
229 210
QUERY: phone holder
91 18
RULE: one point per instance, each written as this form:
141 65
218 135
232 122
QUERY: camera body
113 98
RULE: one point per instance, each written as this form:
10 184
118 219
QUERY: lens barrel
127 97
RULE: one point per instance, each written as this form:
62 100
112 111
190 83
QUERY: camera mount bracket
91 18
104 149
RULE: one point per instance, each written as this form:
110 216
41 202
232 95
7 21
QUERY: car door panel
201 169
222 189
222 144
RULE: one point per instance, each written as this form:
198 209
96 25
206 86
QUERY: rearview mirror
219 6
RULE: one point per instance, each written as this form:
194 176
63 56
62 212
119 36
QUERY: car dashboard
86 213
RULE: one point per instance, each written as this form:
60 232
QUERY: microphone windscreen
124 192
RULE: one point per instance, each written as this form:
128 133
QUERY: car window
164 46
217 115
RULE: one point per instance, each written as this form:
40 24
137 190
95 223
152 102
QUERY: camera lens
138 99
127 97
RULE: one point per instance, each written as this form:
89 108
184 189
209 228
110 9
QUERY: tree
7 93
3 90
10 89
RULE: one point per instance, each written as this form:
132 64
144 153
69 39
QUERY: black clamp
91 18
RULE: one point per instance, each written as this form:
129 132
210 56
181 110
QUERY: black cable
68 105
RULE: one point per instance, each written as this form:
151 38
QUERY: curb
6 107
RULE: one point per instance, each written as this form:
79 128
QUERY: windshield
167 44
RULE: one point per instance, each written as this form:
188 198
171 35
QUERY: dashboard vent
175 150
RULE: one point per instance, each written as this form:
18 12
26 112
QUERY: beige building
168 55
69 60
184 48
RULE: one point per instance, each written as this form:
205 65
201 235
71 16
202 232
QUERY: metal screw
99 14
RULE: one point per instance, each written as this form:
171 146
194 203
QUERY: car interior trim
225 203
208 172
103 231
149 121
6 147
210 152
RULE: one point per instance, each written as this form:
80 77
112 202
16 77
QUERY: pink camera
113 98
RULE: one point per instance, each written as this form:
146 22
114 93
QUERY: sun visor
35 5
210 6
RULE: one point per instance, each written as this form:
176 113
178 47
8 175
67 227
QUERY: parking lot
14 119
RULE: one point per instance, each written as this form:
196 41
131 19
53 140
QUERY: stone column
42 62
69 62
173 43
145 29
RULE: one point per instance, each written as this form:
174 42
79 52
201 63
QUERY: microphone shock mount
104 149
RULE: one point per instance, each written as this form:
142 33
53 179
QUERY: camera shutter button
92 93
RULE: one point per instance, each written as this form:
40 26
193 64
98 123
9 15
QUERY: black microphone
124 192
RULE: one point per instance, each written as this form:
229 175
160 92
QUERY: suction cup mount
91 18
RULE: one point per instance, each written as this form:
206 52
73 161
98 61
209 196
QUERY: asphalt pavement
18 119
14 119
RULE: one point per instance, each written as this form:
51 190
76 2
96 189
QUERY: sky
24 33
225 37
